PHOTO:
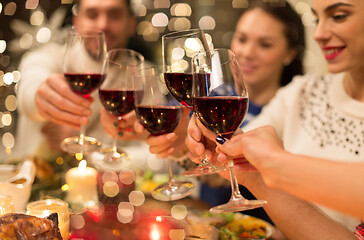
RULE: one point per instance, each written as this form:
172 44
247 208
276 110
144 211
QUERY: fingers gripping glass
178 50
160 113
220 101
82 66
116 94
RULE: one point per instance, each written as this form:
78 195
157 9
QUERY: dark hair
294 32
128 4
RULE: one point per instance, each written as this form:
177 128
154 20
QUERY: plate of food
227 226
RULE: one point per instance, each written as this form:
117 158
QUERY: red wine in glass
159 120
84 83
118 102
82 67
222 114
180 86
160 113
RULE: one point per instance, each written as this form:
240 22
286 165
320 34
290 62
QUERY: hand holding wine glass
82 67
220 102
178 50
160 113
117 96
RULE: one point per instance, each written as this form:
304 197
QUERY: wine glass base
238 205
173 190
73 145
204 170
108 159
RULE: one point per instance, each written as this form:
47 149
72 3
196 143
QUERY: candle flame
82 165
158 219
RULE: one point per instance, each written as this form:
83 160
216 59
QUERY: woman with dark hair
269 42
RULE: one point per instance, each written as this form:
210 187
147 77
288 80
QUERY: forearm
336 185
296 218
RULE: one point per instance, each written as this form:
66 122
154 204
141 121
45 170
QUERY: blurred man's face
110 16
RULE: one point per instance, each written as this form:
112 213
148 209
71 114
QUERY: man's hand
58 103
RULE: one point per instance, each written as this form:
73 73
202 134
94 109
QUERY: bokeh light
2 46
1 7
181 10
240 3
110 188
308 19
207 23
179 211
140 10
26 41
302 8
137 198
8 140
10 103
125 212
43 35
31 4
37 18
179 24
8 78
162 3
17 76
10 8
127 176
5 60
160 20
77 221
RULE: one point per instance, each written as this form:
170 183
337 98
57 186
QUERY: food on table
202 231
231 226
248 227
25 227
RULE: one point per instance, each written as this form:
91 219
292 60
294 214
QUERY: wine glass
160 113
220 101
117 96
178 50
82 66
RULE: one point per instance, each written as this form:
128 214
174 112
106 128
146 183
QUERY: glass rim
126 50
234 58
184 33
46 202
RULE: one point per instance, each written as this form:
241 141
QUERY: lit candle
44 208
82 184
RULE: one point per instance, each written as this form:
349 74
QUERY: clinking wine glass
160 113
117 96
82 66
178 50
220 101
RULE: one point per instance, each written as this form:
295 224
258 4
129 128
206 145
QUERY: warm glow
160 20
137 198
207 23
2 46
8 78
79 156
31 4
11 103
10 8
44 35
154 233
82 165
37 18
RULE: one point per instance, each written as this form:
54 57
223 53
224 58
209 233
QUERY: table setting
102 197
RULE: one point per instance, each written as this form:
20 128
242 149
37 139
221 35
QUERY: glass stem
82 138
204 161
170 172
235 192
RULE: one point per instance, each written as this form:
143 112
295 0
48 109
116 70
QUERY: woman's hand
124 129
171 144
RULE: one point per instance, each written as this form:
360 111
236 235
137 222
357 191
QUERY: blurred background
27 24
